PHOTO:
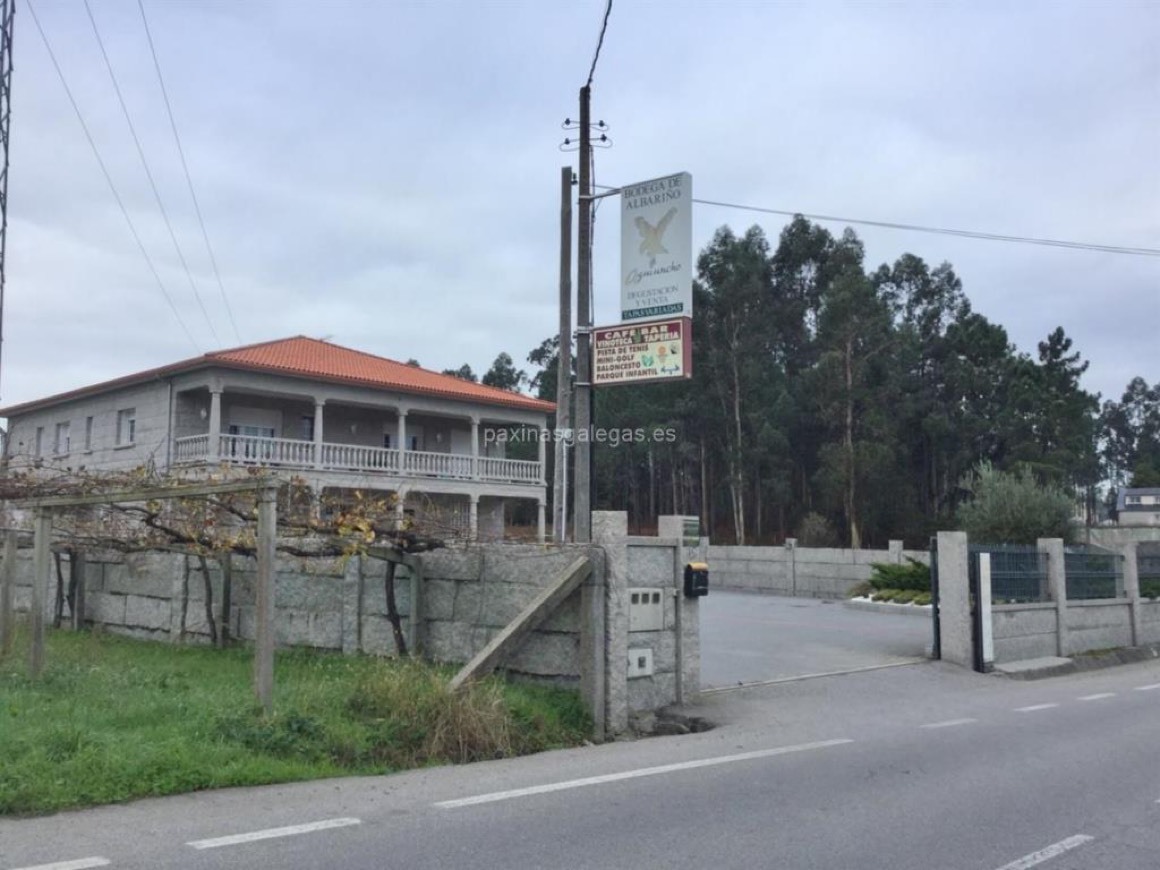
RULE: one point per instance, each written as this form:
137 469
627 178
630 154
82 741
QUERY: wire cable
109 178
599 43
149 172
967 234
188 178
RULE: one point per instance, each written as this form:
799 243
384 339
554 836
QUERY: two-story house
338 418
1138 507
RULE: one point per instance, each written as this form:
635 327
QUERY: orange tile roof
312 358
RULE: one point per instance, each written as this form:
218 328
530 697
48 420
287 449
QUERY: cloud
387 174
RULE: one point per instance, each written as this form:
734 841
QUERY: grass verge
113 719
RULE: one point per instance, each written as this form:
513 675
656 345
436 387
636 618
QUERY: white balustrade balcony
298 454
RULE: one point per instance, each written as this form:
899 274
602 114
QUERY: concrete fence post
1132 588
78 567
986 631
1057 586
41 582
352 605
264 599
690 548
178 595
791 546
416 615
894 552
954 589
609 533
7 587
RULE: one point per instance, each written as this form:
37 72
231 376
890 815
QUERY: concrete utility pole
564 362
583 483
7 11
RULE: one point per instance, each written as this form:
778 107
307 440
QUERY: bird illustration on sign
652 238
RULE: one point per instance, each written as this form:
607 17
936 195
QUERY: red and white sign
661 350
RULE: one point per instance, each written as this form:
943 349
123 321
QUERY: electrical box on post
646 609
696 579
640 662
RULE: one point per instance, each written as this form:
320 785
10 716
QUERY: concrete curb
1087 662
885 607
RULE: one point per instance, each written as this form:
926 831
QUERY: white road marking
1148 688
271 833
1098 697
633 774
1035 707
950 723
78 864
1052 851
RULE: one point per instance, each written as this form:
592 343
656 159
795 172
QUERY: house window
88 433
1132 499
126 426
61 440
254 443
307 428
387 440
38 449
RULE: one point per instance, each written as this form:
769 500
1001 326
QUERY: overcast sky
386 174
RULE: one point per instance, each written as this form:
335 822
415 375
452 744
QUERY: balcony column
540 523
543 445
402 441
475 447
319 404
213 448
473 519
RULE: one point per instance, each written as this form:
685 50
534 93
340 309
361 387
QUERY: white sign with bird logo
656 248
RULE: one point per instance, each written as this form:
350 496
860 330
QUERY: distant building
338 418
1138 507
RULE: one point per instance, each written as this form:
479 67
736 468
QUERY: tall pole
7 10
583 487
564 363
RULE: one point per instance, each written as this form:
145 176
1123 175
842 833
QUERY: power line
188 177
968 234
149 172
109 178
599 43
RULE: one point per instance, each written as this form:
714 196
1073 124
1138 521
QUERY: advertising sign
635 353
656 248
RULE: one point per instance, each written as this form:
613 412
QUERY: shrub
862 590
914 576
1013 508
816 531
885 594
905 596
1150 588
922 599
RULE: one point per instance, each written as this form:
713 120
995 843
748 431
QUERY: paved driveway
748 637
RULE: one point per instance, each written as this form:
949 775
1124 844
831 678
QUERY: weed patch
113 719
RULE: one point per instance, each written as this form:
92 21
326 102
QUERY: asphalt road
913 768
748 637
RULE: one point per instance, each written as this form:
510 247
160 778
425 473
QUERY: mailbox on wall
696 579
